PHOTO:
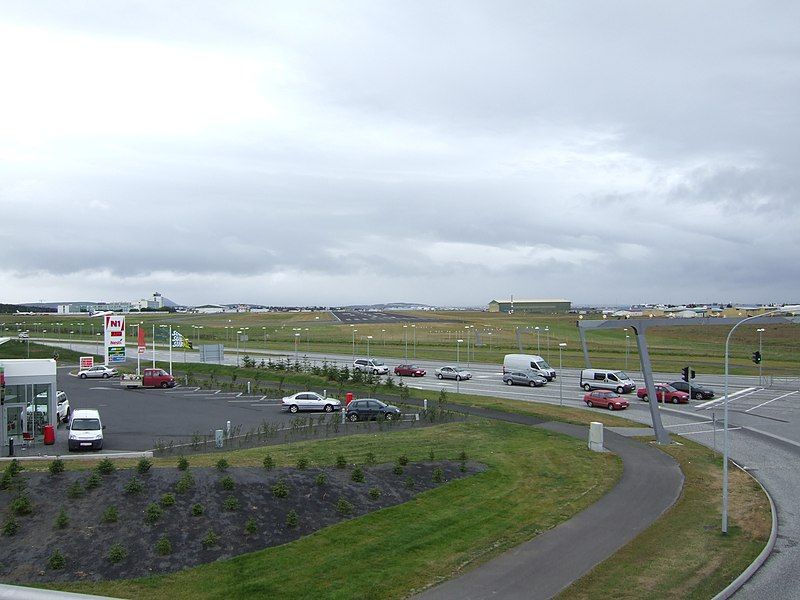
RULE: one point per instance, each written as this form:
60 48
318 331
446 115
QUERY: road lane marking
746 391
689 424
709 431
768 401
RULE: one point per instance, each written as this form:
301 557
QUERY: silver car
309 401
452 373
523 378
98 371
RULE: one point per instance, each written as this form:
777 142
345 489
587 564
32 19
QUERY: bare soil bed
86 541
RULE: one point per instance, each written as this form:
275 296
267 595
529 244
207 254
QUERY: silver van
528 362
606 379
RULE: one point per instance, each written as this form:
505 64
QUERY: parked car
409 371
665 393
370 365
309 401
63 409
453 373
85 430
98 371
150 378
524 378
606 399
369 408
699 392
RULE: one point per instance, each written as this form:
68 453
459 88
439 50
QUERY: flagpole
154 345
138 354
170 349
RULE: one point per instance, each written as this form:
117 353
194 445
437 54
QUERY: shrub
134 486
110 515
374 493
62 520
185 483
438 475
402 460
10 527
5 480
56 560
463 467
222 464
344 507
357 475
250 527
409 483
168 499
210 539
183 463
292 519
370 459
143 466
302 463
398 470
21 505
462 456
152 514
197 510
105 467
231 503
321 479
117 553
227 483
75 490
163 546
14 467
269 463
94 480
280 489
430 454
56 466
341 462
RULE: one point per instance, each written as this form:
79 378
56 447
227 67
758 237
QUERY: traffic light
693 373
685 373
757 357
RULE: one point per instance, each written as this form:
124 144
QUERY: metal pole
560 376
154 345
170 349
760 353
414 329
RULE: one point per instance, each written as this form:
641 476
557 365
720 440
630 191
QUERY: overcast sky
422 151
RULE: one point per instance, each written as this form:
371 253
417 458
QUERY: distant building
530 306
211 308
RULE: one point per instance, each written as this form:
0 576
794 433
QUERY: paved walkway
651 482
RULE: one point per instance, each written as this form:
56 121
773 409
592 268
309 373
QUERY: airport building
28 394
542 307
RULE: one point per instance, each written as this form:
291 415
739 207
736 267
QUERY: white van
606 379
528 362
86 430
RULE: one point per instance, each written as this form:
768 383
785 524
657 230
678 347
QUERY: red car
665 393
409 370
606 399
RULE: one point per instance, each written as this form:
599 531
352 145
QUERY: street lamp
538 345
383 338
561 346
296 337
791 308
490 340
238 335
547 332
369 337
264 329
405 339
414 329
467 336
458 352
760 331
627 346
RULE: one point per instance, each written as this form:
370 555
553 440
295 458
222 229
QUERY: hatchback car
309 401
664 393
453 373
370 365
409 371
699 392
523 378
98 371
606 399
368 408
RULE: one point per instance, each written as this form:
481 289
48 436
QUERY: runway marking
768 401
746 391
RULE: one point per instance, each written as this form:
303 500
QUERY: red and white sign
140 341
115 338
86 362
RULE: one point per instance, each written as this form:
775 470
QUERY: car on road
524 378
606 399
699 392
98 371
23 335
85 431
150 378
409 371
365 409
309 401
664 393
370 365
450 372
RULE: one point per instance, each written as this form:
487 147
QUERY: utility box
596 437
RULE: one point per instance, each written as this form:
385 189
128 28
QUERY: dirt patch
86 541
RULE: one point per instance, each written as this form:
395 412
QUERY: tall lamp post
414 330
760 330
458 353
627 346
405 339
296 337
547 333
238 335
354 343
538 345
791 308
369 337
561 346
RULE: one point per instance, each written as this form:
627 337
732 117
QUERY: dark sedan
699 392
409 371
365 409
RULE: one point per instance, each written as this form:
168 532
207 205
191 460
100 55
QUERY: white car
85 431
98 371
452 373
370 365
23 335
309 401
63 409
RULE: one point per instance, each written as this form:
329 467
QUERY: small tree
10 527
163 546
321 479
185 483
134 486
341 462
398 470
197 510
222 464
227 483
152 514
292 519
344 507
167 499
231 503
370 459
21 505
106 467
302 463
357 475
56 466
374 493
402 460
62 520
110 515
183 463
143 466
210 539
280 489
56 560
94 480
75 490
117 553
438 475
269 463
251 527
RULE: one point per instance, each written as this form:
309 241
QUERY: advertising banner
178 341
114 338
140 341
86 362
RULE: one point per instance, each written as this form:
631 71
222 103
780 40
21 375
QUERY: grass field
490 336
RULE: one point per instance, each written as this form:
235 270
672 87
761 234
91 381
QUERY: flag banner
179 341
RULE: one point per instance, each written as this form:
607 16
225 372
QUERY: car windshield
380 404
541 364
85 424
377 363
621 375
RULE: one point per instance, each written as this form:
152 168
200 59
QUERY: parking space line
768 401
744 392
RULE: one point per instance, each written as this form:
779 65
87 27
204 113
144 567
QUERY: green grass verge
535 480
684 555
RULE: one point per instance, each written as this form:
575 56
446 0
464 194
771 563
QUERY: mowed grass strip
684 555
535 480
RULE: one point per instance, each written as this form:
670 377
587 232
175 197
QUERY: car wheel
389 416
698 396
509 382
590 404
353 417
610 406
328 408
164 385
105 375
293 408
439 375
675 400
587 387
458 377
645 398
83 375
374 371
532 384
619 390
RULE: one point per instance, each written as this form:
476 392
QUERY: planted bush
117 553
62 520
374 493
231 503
292 519
134 486
14 467
462 456
94 480
143 466
56 561
398 470
402 460
6 480
341 462
438 475
210 539
250 527
321 479
227 483
269 463
110 515
10 527
463 467
302 463
152 514
357 475
344 507
167 499
21 505
185 483
197 510
370 458
75 490
430 454
222 464
56 466
183 463
163 546
409 483
105 467
280 489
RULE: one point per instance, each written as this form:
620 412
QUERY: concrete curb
18 592
41 457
